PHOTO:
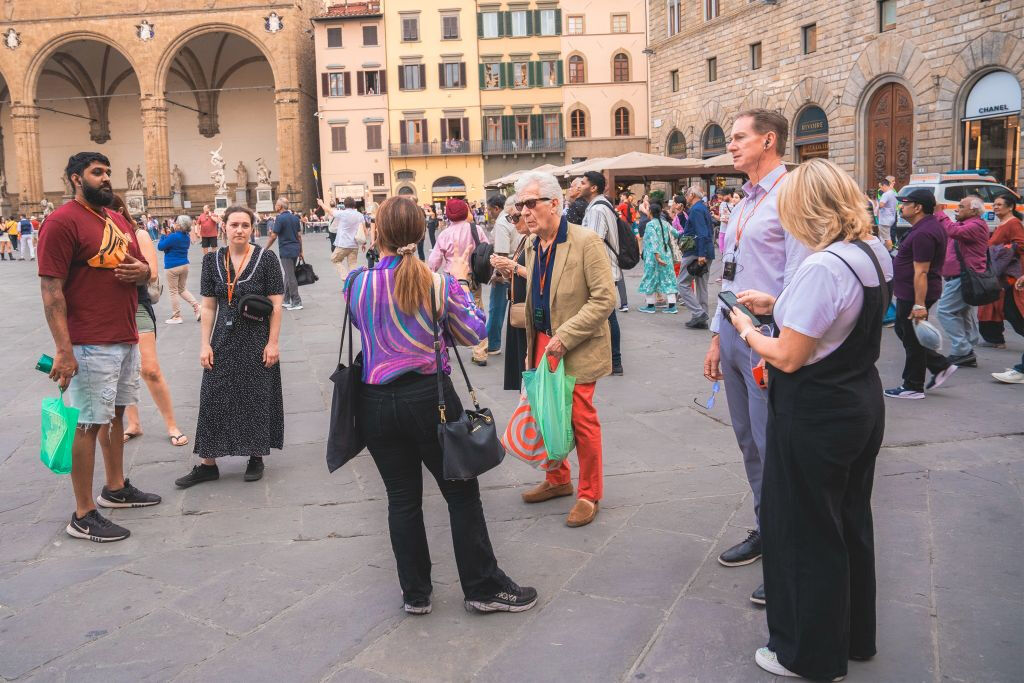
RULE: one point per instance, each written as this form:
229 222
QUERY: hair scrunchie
406 250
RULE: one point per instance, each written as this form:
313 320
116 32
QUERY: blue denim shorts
108 376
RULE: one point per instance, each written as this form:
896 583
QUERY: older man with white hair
569 296
967 246
699 228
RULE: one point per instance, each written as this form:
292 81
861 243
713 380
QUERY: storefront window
811 134
991 127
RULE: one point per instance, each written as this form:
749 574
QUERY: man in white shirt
345 223
600 217
887 205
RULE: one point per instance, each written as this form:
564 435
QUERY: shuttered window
338 143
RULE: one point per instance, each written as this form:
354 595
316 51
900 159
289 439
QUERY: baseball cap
920 195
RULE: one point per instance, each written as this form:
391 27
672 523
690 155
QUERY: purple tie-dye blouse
394 342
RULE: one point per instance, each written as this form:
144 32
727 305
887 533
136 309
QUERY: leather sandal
546 491
582 513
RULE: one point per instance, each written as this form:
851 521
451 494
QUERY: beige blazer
582 298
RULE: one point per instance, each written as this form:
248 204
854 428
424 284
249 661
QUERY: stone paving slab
293 579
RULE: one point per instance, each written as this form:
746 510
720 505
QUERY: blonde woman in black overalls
825 426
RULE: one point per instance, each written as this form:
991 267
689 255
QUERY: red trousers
587 431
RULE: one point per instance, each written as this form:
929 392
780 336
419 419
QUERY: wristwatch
919 307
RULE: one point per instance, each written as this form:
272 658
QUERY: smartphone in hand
730 301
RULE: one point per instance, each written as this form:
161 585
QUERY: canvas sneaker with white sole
96 528
513 599
1011 376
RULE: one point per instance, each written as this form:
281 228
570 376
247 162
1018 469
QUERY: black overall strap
347 323
887 295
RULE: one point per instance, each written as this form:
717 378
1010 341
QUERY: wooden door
890 134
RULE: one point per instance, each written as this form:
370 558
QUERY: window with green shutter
536 126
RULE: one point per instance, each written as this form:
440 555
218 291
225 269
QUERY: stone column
25 126
289 144
157 156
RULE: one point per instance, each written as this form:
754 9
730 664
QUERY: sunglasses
531 204
514 217
710 403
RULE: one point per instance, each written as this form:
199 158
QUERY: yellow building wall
432 102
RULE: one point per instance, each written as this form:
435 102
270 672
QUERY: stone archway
889 59
206 70
86 96
807 93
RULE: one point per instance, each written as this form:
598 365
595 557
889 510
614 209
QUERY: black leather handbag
344 440
469 444
304 274
978 289
255 308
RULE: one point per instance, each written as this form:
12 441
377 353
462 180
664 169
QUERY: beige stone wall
938 50
45 27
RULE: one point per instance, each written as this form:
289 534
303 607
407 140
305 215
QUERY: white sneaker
1011 376
174 321
769 661
295 307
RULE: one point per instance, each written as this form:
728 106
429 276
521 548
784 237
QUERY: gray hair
183 223
694 191
975 202
547 184
510 203
281 203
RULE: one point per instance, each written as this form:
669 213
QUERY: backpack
628 254
480 259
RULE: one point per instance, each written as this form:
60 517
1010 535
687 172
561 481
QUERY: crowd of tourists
808 276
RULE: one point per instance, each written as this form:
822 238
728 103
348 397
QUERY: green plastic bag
58 433
550 396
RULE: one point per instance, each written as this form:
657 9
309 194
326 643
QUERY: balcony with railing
527 146
430 149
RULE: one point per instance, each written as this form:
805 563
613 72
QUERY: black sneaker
198 475
95 527
254 470
747 552
418 607
697 323
757 597
967 360
513 599
127 497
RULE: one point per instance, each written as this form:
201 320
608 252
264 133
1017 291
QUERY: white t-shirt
346 223
887 205
824 299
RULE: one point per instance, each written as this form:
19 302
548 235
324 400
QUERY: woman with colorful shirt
397 409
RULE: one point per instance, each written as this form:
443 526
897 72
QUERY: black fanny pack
255 308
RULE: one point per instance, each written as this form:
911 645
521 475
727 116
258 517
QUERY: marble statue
3 185
177 180
136 182
241 176
262 172
217 174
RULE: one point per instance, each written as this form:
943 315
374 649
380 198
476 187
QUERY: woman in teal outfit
659 276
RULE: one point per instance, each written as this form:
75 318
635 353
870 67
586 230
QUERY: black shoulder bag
469 445
977 289
344 440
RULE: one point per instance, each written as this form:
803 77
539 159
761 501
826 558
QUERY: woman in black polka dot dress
241 409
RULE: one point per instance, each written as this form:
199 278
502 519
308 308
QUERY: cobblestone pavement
292 578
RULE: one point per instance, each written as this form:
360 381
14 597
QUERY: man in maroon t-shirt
90 266
208 225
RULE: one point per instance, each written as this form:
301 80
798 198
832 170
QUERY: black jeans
918 357
399 422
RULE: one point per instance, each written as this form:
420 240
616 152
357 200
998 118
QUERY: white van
949 188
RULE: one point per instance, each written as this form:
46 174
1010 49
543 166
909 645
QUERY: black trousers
818 534
918 357
399 422
992 330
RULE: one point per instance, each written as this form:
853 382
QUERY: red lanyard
227 271
739 219
544 270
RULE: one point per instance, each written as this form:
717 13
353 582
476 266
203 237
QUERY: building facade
521 73
605 94
158 90
434 104
351 61
879 87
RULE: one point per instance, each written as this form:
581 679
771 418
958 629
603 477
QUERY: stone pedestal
220 203
66 198
6 208
135 200
176 201
242 196
264 198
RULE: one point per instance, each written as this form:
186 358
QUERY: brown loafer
546 491
582 513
